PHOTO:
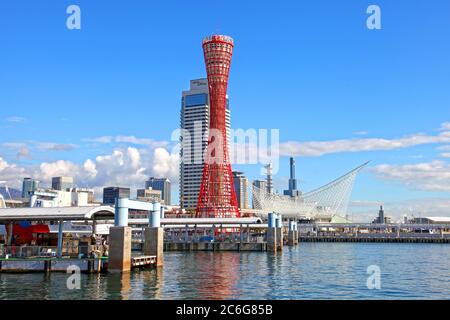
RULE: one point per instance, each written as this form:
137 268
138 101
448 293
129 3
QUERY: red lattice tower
217 198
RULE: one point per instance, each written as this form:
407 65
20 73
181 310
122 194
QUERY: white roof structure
329 200
57 213
439 219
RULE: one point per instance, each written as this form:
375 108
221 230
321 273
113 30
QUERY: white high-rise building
241 189
195 121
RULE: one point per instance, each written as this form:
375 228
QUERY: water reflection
207 275
152 283
118 285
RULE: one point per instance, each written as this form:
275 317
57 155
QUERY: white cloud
129 167
445 155
51 146
320 148
128 139
16 119
11 173
90 169
58 168
361 133
23 153
102 139
364 203
445 126
165 164
141 141
427 176
443 148
14 145
123 167
40 146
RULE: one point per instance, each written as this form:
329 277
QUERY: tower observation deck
217 197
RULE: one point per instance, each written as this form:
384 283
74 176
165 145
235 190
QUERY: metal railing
27 252
192 238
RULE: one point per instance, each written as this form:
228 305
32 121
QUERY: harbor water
307 271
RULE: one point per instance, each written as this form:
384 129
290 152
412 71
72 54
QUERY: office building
269 181
261 185
161 184
241 188
194 122
292 191
149 195
62 183
111 193
381 219
29 186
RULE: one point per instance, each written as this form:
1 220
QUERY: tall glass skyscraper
194 120
29 185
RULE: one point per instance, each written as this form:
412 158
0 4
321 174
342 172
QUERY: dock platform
48 265
142 261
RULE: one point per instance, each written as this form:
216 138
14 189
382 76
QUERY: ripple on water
308 271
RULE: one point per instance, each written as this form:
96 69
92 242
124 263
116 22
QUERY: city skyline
82 105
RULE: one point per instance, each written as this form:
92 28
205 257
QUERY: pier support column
240 235
272 240
291 234
271 233
154 244
295 233
60 239
119 259
291 238
10 234
154 237
279 232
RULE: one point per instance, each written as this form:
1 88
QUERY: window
196 100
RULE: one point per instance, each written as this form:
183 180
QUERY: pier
373 232
379 239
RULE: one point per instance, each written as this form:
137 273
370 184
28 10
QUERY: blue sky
311 69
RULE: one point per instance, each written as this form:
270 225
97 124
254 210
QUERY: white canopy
58 213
